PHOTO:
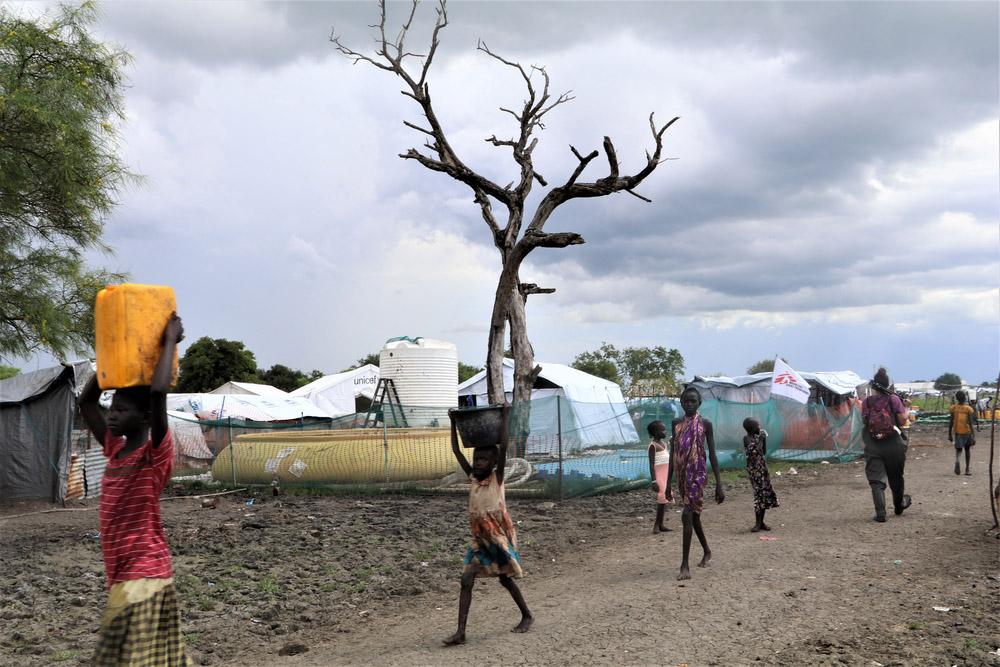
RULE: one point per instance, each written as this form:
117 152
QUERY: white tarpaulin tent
248 388
244 406
337 394
756 388
593 413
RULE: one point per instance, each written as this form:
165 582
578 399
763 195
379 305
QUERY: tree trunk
498 329
525 371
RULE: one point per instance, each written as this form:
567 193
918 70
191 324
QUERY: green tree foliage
8 372
282 377
287 379
602 363
947 381
60 95
641 371
465 371
372 359
211 362
763 366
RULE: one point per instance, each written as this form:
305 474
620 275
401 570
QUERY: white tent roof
839 382
336 393
576 385
594 415
232 387
244 406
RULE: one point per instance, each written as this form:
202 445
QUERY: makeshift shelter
569 408
249 388
827 426
37 411
343 393
829 388
245 406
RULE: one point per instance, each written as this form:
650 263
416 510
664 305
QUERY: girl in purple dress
692 434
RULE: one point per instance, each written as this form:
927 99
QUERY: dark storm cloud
881 35
821 162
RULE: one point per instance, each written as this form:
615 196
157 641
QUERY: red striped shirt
132 537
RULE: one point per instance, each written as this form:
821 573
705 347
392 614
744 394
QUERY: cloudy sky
834 197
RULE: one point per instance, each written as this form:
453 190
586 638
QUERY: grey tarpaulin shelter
36 424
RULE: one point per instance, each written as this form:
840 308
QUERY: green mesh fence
558 447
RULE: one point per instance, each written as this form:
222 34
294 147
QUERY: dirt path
374 580
828 590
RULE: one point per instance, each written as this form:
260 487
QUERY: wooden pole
993 432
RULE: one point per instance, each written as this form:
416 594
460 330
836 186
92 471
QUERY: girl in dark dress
755 447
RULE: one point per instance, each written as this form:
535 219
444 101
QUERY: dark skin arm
91 410
457 451
670 468
501 461
503 444
173 333
720 495
652 474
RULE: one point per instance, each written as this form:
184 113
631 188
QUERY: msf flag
786 382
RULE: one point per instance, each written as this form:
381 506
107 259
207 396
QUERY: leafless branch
612 183
636 194
500 142
533 288
417 128
439 24
609 150
584 161
539 239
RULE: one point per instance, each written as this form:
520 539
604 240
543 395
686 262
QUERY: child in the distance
755 447
493 552
141 624
659 470
961 422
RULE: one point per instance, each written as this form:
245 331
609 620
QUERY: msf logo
787 379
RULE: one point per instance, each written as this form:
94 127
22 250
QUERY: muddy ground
373 580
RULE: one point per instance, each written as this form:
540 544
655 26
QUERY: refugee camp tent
248 388
827 387
917 388
37 410
245 406
343 393
579 409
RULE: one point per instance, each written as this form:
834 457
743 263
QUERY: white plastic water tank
425 373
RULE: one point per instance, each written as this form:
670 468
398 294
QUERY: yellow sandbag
129 322
337 457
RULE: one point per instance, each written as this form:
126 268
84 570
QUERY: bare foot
756 528
685 573
455 639
704 559
764 526
664 529
525 623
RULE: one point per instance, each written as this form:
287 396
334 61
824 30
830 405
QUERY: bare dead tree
392 55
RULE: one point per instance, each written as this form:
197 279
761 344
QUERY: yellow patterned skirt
141 626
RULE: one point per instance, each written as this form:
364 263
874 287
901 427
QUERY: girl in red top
141 625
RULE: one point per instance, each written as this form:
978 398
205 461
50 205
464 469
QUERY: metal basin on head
481 426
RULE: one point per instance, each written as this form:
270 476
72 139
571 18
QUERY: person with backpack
885 449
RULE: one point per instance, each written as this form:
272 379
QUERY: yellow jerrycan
129 321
